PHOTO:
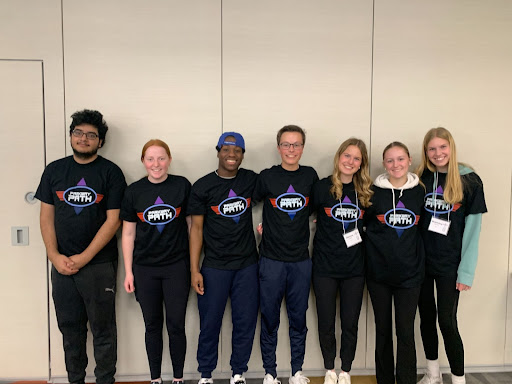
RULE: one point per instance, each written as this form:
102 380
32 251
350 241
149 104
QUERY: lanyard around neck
357 212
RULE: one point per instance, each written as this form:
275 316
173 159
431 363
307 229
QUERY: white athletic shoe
330 378
269 379
298 378
205 381
427 379
237 379
344 378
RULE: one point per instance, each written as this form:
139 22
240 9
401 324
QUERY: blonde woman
454 203
338 258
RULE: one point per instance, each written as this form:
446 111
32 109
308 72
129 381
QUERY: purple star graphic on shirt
233 207
290 202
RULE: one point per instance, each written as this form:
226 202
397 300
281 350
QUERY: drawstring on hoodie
394 205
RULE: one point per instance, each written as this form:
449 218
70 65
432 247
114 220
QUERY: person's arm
196 244
62 263
188 219
102 237
469 257
127 243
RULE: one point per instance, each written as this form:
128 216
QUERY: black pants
446 312
89 295
351 298
170 285
406 301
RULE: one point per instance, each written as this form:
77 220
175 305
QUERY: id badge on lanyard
440 226
352 238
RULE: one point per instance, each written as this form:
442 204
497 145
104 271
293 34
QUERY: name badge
352 238
439 226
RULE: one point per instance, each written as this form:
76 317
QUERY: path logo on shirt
345 213
290 202
440 206
399 218
234 206
80 196
159 214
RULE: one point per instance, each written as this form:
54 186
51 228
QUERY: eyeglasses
79 133
288 145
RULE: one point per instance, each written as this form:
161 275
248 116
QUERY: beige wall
185 71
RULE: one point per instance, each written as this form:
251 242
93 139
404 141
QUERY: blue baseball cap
239 140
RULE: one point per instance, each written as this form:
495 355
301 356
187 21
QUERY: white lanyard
353 237
434 194
438 225
357 211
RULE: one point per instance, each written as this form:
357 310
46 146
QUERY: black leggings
169 284
351 298
405 303
446 312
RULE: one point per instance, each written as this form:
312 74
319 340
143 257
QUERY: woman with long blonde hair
338 259
454 203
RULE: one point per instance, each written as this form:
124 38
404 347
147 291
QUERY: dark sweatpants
291 280
170 285
88 295
446 312
351 298
405 302
242 286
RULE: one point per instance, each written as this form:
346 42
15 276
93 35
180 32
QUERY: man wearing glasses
80 200
285 266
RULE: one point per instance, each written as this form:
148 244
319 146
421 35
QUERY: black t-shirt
331 257
286 212
228 233
443 253
82 194
161 236
394 247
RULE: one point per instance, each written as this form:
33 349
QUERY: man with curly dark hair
80 201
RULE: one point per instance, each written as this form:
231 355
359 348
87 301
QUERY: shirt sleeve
259 190
196 202
127 210
44 190
116 188
476 199
187 196
469 257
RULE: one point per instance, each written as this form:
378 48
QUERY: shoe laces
300 378
269 379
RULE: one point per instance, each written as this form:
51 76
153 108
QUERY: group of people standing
400 234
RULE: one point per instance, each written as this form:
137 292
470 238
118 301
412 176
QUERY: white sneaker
298 378
427 379
330 377
344 378
237 379
269 379
205 381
